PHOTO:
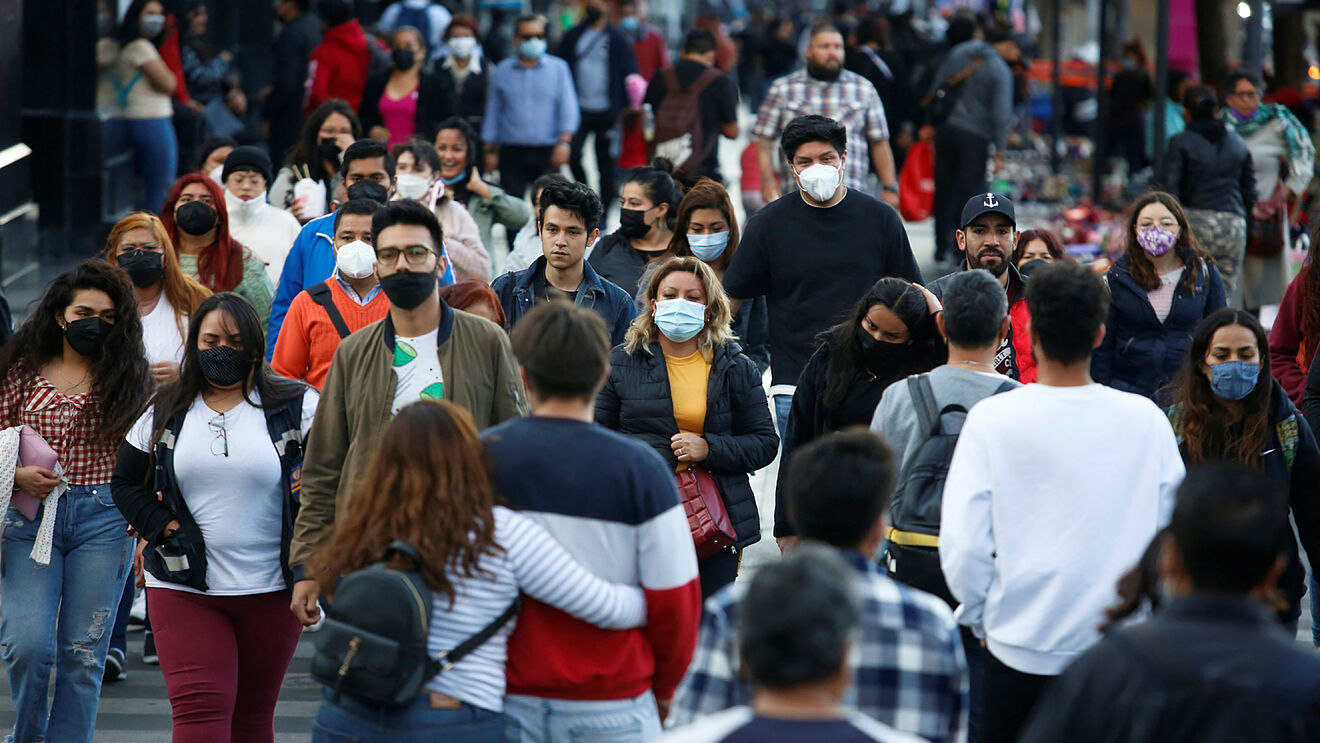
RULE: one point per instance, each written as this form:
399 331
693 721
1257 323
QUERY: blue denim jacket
607 299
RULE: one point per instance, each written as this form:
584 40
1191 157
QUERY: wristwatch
891 188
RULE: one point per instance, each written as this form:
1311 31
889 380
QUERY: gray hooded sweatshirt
985 99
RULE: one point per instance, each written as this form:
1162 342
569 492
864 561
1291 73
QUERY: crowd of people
400 391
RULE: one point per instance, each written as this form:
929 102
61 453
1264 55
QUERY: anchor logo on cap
990 201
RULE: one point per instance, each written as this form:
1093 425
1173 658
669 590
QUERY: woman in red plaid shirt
76 374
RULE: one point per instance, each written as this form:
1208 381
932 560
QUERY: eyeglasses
415 255
220 445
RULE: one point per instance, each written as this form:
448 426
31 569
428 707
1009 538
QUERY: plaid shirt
851 100
68 424
912 674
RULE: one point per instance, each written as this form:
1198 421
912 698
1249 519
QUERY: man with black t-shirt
717 103
813 255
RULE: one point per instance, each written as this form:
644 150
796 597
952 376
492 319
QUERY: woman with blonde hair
681 383
166 297
430 486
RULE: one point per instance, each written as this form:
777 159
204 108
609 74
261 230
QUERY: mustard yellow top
687 388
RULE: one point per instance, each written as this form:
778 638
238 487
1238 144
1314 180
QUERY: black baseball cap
987 202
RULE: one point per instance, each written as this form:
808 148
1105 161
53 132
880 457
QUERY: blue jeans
119 635
155 154
539 720
351 721
60 615
783 404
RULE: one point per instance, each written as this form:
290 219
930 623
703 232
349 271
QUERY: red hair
469 293
220 264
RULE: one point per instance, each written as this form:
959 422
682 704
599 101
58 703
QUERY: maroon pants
224 659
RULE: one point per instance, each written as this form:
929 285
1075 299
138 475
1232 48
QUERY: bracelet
891 189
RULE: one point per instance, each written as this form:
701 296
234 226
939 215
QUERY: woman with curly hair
75 378
681 383
1228 408
197 221
888 335
429 485
1160 288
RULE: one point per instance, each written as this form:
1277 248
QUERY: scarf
1301 151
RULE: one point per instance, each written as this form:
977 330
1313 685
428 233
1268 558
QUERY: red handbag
712 530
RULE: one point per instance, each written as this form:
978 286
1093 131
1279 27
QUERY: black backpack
912 556
373 644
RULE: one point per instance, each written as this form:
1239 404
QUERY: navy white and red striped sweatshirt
613 504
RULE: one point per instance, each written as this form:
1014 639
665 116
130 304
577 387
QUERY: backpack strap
448 658
704 80
1289 435
1005 387
923 399
321 295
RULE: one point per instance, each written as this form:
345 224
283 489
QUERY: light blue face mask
1234 380
629 23
679 319
455 180
708 247
531 48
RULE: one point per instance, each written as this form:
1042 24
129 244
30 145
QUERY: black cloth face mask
369 190
406 290
881 353
224 366
632 223
195 218
328 149
87 336
144 267
404 59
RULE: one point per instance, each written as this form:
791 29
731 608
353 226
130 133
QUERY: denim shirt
517 295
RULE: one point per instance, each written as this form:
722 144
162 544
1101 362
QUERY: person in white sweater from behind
267 231
1053 492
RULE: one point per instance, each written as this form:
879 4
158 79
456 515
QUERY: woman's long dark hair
663 184
469 135
304 153
130 26
705 194
1188 248
176 397
428 484
1209 432
846 361
120 379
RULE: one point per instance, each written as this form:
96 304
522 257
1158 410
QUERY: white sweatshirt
1053 493
265 230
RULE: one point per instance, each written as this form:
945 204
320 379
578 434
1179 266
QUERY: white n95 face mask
355 260
411 187
820 181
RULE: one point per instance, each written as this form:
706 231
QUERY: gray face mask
151 25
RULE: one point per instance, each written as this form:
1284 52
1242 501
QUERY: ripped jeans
61 615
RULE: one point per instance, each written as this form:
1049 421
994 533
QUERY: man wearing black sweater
812 254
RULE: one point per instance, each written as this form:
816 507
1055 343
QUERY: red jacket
338 67
1287 361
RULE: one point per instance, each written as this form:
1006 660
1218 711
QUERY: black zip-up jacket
637 401
149 516
1209 167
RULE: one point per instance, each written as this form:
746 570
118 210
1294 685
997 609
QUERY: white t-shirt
417 362
161 335
236 500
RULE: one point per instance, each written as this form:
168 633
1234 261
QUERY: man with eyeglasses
531 112
422 350
565 220
366 172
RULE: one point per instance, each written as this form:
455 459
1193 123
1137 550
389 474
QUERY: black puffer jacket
1209 167
637 401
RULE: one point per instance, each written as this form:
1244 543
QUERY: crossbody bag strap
321 295
448 658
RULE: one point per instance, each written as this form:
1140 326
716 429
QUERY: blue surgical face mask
708 247
1234 380
629 23
531 48
679 319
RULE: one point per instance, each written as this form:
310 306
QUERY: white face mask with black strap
355 260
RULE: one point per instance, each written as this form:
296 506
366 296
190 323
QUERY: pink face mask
1156 241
